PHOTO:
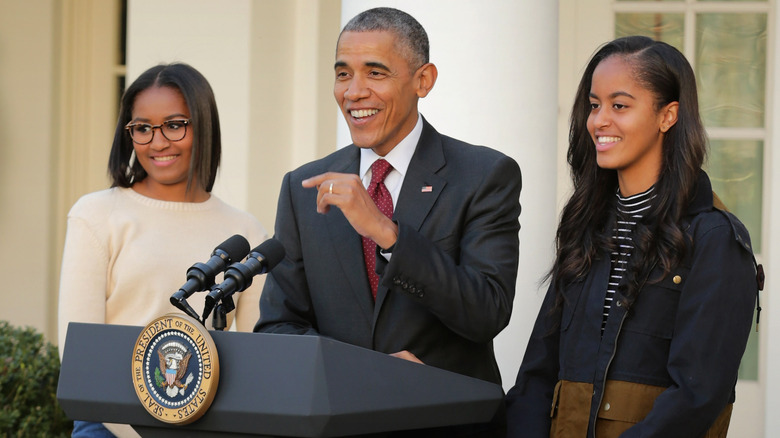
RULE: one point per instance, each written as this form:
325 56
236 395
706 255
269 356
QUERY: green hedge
29 371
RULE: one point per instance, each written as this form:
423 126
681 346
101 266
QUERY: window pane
736 170
731 69
660 27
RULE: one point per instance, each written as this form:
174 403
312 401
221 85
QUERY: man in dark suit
447 253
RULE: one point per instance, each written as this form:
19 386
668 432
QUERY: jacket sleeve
529 402
711 329
285 304
473 295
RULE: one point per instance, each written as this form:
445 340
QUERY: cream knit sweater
126 254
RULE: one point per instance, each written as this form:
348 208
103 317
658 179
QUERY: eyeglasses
143 133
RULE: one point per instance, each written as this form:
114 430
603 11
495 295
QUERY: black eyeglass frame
129 129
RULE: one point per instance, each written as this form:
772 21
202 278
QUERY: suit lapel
347 244
421 188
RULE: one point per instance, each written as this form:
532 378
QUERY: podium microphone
201 275
238 276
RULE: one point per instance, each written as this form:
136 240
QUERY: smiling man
406 241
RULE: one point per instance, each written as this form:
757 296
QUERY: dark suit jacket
448 288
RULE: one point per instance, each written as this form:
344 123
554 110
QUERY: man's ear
427 75
669 115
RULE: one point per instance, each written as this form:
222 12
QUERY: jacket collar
421 188
702 198
414 203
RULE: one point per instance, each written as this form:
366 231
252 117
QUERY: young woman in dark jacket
652 291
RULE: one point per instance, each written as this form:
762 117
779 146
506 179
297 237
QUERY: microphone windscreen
272 251
237 247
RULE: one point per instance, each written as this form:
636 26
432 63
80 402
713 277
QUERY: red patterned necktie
382 199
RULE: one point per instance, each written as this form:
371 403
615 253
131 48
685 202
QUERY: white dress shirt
399 157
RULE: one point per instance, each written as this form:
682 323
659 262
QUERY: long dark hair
206 143
586 221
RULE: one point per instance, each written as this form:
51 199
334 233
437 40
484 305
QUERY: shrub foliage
29 372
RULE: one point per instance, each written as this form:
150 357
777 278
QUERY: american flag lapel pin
426 189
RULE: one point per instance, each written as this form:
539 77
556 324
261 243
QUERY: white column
769 369
497 87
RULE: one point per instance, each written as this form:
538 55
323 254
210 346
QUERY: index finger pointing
319 179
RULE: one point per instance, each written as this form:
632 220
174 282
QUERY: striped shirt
630 210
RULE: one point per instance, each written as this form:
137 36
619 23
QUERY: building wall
27 117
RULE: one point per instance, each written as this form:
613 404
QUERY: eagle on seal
174 367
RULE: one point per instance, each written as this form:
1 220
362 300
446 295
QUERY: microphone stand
219 318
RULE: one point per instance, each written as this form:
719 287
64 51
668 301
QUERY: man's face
376 89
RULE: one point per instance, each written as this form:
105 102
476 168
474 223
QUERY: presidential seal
175 369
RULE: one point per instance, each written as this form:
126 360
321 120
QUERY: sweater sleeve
83 278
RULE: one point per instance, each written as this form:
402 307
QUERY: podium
275 385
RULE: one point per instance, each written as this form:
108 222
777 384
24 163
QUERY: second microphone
238 276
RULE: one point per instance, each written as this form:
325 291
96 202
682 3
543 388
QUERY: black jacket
447 290
686 333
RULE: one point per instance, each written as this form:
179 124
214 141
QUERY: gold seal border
207 389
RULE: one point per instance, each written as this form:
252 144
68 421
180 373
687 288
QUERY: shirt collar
399 157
